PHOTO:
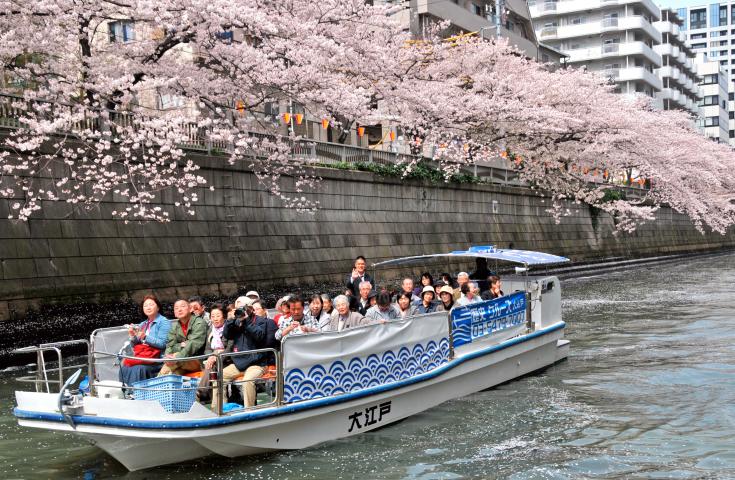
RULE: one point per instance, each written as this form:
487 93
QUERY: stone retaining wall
241 236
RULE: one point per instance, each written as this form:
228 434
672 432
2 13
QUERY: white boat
327 385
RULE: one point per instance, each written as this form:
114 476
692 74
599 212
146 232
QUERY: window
732 133
723 62
723 15
713 54
121 31
712 122
709 100
698 45
723 42
697 36
225 36
710 79
713 44
732 116
714 15
682 13
477 10
731 96
578 21
698 18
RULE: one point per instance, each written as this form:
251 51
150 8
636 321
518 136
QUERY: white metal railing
610 48
610 22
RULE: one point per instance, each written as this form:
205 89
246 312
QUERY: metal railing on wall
199 139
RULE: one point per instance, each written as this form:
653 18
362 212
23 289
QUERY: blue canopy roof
523 257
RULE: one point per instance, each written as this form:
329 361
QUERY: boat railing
43 375
219 367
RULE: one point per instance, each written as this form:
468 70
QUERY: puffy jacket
246 334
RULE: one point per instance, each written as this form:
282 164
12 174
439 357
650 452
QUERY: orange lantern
504 154
240 106
325 123
586 170
519 160
287 118
605 175
299 118
360 131
392 136
594 172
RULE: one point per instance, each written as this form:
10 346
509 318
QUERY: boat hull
473 369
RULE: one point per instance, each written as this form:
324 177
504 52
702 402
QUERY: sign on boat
321 387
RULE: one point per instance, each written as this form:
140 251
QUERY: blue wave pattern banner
360 373
481 319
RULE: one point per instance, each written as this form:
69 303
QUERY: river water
648 392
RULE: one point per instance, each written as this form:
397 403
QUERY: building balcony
673 95
549 8
667 27
598 28
614 50
669 72
638 74
458 15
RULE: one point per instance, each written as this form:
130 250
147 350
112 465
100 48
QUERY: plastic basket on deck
175 393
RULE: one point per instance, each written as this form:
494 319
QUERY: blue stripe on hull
285 409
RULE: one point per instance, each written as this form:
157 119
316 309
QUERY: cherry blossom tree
94 74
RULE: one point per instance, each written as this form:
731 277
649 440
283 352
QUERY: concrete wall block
83 266
52 267
93 247
110 264
18 269
63 248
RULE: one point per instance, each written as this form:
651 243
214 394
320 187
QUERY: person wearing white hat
253 294
427 304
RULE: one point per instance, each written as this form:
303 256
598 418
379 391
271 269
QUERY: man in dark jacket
359 274
246 334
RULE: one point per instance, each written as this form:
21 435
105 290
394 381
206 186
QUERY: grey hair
463 274
473 284
342 299
326 298
365 282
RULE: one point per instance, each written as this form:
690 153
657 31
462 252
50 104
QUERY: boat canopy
523 257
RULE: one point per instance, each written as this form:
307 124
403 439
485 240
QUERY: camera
240 312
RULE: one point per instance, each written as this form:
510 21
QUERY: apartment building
616 37
710 30
678 71
714 112
483 17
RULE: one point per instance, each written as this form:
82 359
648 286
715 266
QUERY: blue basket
175 393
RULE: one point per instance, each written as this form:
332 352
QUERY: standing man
186 338
359 275
246 333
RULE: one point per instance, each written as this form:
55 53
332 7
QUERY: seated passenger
283 309
446 299
407 287
186 338
197 308
495 291
469 294
148 340
427 304
327 303
246 333
316 314
363 302
215 344
382 311
426 280
297 323
404 307
342 317
463 278
269 325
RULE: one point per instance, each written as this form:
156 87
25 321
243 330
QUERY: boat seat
269 374
197 374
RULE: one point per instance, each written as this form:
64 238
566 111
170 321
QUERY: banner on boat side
483 319
334 363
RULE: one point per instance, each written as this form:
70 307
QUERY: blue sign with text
481 319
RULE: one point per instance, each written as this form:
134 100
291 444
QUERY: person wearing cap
253 294
446 299
342 317
283 309
246 332
427 305
382 310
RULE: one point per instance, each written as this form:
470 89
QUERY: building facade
710 30
678 72
714 109
615 37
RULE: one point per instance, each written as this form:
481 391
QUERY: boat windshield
490 252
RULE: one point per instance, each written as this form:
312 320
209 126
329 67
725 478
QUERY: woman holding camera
148 339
